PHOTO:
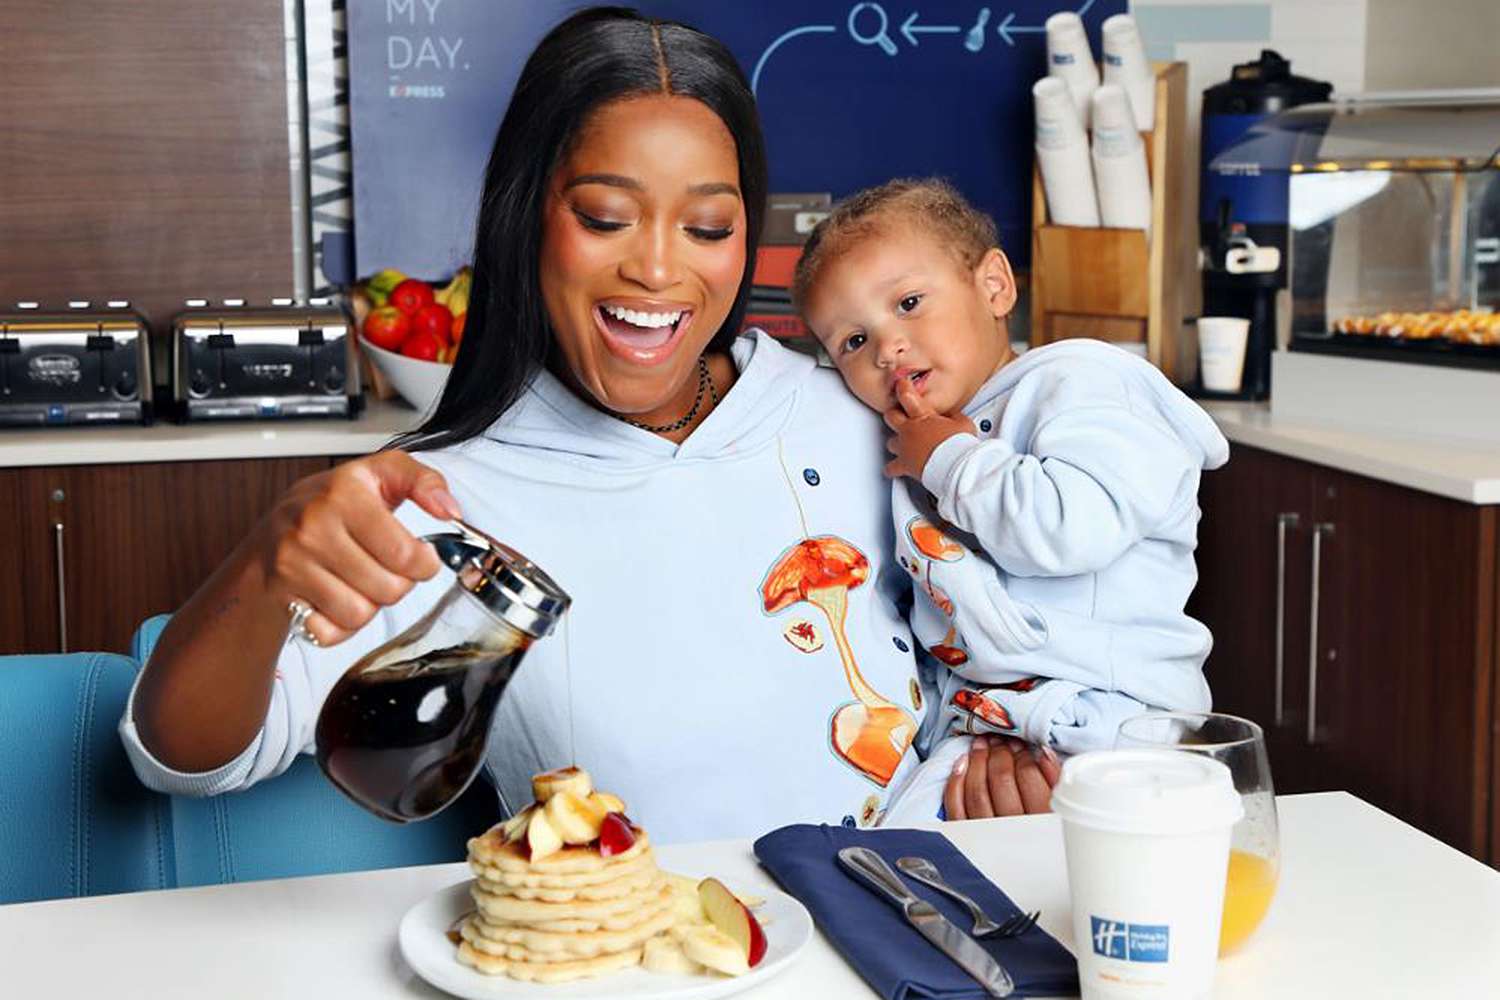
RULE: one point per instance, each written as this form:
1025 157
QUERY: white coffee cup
1221 351
1147 838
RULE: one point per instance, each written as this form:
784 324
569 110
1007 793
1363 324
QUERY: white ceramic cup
1147 838
1221 351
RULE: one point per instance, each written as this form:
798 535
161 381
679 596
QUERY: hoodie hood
550 417
1143 381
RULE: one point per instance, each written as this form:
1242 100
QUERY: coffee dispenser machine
1243 207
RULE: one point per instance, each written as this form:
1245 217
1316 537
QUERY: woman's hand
333 540
1001 776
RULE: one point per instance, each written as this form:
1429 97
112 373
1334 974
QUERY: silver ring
300 612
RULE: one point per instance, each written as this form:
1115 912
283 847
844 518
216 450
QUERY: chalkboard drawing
880 37
974 40
863 17
872 733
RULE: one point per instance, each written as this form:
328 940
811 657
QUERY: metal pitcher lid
504 581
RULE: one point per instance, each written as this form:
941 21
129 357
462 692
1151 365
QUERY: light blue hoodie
1063 544
670 681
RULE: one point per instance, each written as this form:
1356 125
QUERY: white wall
1437 43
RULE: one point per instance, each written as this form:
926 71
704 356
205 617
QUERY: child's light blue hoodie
1062 554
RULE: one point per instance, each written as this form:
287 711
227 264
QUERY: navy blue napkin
893 958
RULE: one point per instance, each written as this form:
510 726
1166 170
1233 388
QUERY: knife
871 869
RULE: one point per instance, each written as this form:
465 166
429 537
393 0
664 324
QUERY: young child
1045 503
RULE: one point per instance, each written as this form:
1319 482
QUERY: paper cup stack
1105 182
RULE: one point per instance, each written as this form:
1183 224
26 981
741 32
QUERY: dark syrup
405 739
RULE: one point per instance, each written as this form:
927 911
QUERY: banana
712 947
685 904
541 837
576 819
563 779
515 828
610 803
455 294
662 954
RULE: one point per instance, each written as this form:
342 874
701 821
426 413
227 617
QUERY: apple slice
541 837
564 779
728 914
707 945
615 835
575 818
611 803
514 828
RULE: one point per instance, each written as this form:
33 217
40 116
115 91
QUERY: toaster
275 362
82 366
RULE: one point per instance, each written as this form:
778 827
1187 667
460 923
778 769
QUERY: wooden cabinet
99 548
1371 608
28 585
1253 594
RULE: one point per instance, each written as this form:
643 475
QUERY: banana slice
575 818
686 906
541 837
515 828
663 954
707 945
609 803
564 779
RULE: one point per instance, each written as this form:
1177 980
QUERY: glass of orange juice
1255 851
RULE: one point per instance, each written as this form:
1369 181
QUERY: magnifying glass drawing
879 37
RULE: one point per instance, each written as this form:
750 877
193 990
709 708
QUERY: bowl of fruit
410 330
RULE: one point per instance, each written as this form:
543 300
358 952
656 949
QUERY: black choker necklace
705 385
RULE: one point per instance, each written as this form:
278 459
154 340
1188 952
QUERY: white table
1368 907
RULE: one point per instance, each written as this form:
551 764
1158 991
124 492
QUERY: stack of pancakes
572 914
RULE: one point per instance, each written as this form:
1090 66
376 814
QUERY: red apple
410 295
725 911
615 835
387 327
423 346
434 319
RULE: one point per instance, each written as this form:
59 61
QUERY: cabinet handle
62 592
1284 521
1319 530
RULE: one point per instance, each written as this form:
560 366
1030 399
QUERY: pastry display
1461 326
568 888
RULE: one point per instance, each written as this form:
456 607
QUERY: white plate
426 948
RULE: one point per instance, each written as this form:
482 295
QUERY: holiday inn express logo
1130 942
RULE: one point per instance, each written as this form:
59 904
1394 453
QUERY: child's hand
919 430
1001 776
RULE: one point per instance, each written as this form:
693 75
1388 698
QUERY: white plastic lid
1159 792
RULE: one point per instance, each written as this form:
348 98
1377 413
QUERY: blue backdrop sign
850 93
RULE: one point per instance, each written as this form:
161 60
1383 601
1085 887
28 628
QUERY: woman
603 419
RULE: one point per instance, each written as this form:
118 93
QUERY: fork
926 872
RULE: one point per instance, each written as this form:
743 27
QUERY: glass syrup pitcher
403 732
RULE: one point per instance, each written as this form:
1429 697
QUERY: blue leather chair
299 824
74 820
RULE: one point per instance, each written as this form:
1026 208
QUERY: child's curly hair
929 202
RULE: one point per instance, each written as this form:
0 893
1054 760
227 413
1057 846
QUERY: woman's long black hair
595 56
